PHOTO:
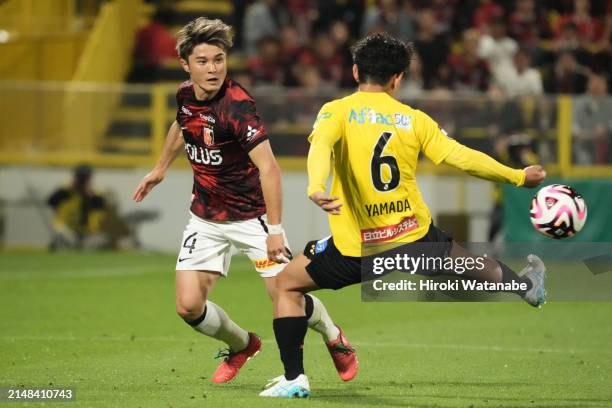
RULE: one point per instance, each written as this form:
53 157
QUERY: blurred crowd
507 50
522 47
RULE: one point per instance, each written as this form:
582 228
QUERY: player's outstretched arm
270 178
439 147
483 166
174 143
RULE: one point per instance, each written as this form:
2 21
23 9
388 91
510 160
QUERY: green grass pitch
105 325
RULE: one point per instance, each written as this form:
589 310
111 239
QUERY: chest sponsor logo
186 111
202 155
370 116
389 232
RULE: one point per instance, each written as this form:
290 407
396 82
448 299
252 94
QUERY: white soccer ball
558 211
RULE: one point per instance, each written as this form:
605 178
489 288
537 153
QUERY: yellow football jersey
376 142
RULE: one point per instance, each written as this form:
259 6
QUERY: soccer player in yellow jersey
375 142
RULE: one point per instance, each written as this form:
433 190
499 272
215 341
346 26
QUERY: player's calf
214 322
342 353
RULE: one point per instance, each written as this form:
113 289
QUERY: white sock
218 325
321 322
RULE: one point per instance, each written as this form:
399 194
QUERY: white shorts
207 246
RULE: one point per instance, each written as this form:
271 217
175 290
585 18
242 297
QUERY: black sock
508 275
290 333
199 320
309 307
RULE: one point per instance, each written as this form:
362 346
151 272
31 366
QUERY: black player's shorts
329 269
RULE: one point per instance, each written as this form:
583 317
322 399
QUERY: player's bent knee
284 282
294 277
189 307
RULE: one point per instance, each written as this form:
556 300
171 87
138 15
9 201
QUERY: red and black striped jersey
219 133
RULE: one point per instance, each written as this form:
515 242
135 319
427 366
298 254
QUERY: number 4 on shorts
190 245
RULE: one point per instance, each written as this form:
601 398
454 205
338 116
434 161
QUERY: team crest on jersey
209 136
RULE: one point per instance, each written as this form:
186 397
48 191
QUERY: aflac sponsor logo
369 115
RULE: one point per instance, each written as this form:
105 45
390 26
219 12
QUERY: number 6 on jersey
377 163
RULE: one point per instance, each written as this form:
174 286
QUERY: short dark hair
203 30
380 56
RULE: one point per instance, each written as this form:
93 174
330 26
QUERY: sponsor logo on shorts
389 232
321 245
264 263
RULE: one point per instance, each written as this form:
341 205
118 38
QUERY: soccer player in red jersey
236 198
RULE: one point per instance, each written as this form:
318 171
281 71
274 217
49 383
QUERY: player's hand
277 252
146 185
326 202
534 176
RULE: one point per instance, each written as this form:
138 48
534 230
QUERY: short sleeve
435 142
179 103
179 98
246 125
327 128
